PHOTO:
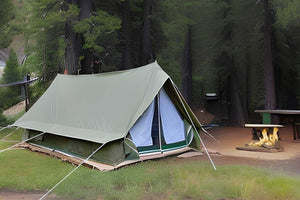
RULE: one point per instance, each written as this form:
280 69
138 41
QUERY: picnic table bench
257 128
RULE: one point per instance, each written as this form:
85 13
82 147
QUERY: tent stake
71 172
205 149
22 142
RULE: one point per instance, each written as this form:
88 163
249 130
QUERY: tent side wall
186 112
112 153
191 137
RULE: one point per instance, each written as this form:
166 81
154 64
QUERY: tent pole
202 143
159 124
71 172
206 133
22 142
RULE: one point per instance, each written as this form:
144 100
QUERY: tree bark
86 63
270 89
235 108
270 92
237 115
147 52
126 35
71 51
186 70
72 48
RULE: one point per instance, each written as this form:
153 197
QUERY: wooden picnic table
293 114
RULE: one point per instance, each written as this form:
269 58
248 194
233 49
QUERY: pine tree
11 71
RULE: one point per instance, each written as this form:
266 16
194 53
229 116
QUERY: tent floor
96 165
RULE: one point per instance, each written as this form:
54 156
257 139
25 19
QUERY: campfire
268 142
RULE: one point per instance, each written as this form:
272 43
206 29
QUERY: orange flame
267 140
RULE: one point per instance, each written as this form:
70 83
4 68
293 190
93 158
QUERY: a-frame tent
137 114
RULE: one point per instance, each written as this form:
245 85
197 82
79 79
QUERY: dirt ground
223 152
229 138
14 110
17 195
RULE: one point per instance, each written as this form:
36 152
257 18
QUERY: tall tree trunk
147 52
236 107
236 110
126 35
72 48
270 90
246 99
71 51
186 70
86 63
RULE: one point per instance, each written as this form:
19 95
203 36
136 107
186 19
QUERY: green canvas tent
137 114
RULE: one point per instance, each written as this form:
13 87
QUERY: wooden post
26 88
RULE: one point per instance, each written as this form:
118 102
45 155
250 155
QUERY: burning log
269 142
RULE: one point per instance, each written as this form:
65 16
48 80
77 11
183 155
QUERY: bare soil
19 195
15 109
228 138
203 116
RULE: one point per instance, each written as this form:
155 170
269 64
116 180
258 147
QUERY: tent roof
98 108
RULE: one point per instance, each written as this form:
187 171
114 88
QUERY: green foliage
3 120
37 90
6 8
11 119
7 12
44 31
96 26
227 38
9 96
287 52
287 13
11 71
207 24
246 49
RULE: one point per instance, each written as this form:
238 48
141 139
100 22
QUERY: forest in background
247 52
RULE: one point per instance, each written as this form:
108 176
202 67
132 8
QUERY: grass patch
24 170
5 132
16 136
4 145
161 179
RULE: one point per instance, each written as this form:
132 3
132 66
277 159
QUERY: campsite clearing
231 137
